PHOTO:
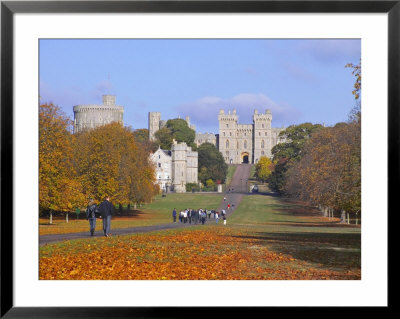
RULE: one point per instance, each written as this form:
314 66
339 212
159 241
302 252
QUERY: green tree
181 131
177 129
142 136
211 164
264 168
164 138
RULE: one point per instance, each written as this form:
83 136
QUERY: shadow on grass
340 251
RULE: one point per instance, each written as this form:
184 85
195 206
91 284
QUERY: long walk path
236 189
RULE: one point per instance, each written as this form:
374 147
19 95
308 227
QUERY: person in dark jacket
91 216
174 215
106 210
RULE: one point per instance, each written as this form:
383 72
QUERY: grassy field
158 212
229 175
266 238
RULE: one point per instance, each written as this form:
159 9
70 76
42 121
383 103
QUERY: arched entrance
245 158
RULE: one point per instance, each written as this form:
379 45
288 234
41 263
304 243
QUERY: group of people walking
104 211
198 216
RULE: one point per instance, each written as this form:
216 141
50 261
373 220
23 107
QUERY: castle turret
179 165
154 124
227 135
89 116
262 134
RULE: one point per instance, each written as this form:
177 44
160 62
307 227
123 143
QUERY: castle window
244 134
227 153
224 133
266 134
227 125
262 152
263 126
230 133
262 144
245 144
159 164
227 144
259 133
237 144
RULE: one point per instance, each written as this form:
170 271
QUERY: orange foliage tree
59 187
329 172
110 162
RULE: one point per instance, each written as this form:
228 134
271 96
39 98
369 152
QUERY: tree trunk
51 218
343 217
326 211
134 206
67 217
348 218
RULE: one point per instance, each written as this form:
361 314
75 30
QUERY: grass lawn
265 238
229 175
157 212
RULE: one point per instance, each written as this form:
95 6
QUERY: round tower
89 116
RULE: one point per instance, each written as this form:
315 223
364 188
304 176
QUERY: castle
175 168
246 143
92 115
238 143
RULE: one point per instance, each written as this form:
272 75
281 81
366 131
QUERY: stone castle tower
92 115
155 123
184 166
246 143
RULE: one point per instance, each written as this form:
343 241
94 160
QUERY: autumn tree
287 153
329 172
211 164
110 162
59 186
264 168
355 114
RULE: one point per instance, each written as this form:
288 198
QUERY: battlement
89 116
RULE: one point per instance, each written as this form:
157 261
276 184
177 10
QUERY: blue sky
299 80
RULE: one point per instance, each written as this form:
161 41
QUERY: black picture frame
9 8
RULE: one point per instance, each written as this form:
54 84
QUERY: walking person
209 214
224 216
190 215
91 216
216 217
203 217
174 215
195 216
106 209
181 216
185 216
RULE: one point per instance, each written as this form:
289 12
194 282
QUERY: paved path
238 187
